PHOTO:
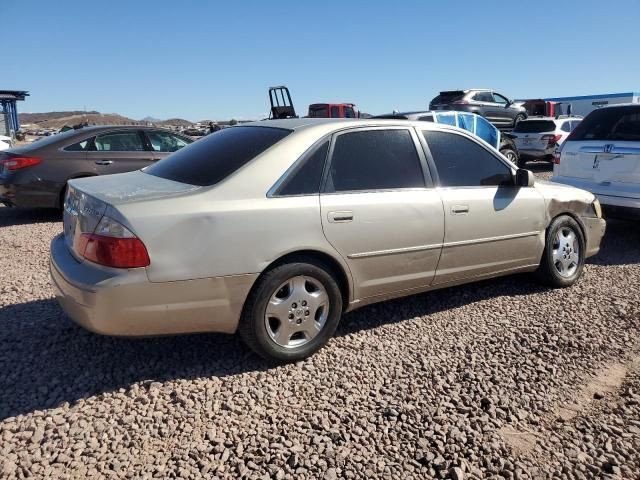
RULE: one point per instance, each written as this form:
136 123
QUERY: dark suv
36 174
496 108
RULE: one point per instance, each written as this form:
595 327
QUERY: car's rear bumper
125 303
531 154
24 195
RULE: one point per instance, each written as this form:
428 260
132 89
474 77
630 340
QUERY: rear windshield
612 123
319 111
212 159
535 126
448 97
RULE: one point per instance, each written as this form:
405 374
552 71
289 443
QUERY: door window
374 160
500 99
79 147
166 142
483 97
461 162
307 175
349 112
120 142
566 127
335 112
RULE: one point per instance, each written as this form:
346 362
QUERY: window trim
274 191
462 133
148 145
428 182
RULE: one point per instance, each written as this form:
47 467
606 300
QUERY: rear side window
165 141
463 163
306 178
374 160
535 126
82 146
215 157
566 127
621 123
483 97
119 142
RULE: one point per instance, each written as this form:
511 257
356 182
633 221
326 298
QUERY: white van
602 155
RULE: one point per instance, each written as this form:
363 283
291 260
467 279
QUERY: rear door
603 153
119 151
490 225
380 211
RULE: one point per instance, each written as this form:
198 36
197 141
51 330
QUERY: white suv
602 155
537 137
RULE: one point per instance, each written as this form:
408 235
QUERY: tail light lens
17 163
551 139
556 156
113 245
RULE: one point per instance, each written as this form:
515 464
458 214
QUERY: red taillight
556 158
113 251
551 139
17 163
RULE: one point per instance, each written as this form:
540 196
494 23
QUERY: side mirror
524 178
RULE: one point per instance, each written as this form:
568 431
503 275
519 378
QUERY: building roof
593 97
13 94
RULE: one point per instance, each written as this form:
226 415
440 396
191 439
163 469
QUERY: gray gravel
502 378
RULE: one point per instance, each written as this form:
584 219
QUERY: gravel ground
501 379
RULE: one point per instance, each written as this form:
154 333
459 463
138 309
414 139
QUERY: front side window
335 112
500 99
119 142
307 175
461 162
374 160
166 142
215 157
349 112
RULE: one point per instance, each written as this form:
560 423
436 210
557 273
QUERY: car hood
122 188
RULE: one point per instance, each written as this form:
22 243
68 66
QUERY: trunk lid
88 199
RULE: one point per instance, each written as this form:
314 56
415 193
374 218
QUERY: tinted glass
119 142
166 142
212 159
463 163
319 112
535 126
612 123
335 112
574 124
374 160
483 97
566 127
448 97
499 98
79 147
305 179
349 112
426 118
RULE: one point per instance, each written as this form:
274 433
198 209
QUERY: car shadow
22 216
620 245
46 359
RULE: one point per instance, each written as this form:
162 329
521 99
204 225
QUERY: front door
380 212
491 225
119 151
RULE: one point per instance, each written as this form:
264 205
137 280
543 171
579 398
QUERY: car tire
306 306
511 155
518 118
564 253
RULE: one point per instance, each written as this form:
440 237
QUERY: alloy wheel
566 252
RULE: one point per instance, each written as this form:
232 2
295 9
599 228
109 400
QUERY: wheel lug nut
299 321
304 303
306 313
291 316
294 305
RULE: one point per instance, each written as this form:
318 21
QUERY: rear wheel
511 155
292 312
563 257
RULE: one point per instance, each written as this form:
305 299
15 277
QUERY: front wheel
292 312
564 253
518 118
511 155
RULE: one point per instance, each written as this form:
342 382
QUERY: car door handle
459 209
343 216
103 162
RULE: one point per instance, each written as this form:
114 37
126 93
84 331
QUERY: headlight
597 208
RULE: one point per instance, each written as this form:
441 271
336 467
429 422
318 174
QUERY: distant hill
73 117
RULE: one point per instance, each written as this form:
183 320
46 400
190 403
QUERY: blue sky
209 59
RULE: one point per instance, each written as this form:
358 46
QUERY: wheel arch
64 186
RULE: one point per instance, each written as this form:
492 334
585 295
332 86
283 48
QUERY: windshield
612 123
212 159
535 126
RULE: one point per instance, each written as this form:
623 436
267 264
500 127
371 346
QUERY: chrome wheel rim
511 156
566 252
297 311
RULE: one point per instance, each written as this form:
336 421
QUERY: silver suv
537 138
